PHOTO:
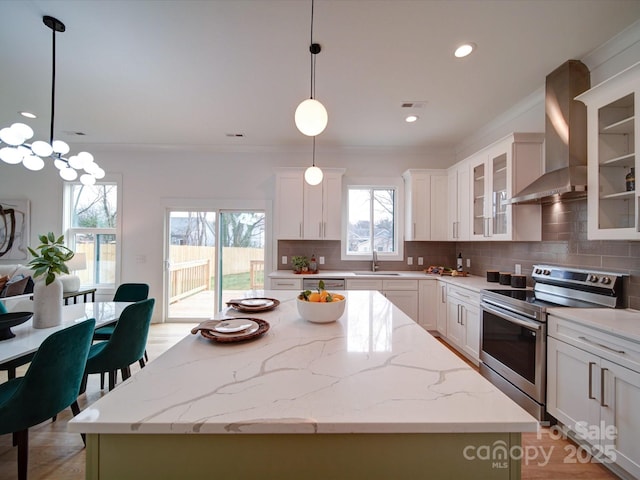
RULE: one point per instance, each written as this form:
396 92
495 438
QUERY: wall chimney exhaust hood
565 137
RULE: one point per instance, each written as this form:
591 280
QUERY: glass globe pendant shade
42 149
10 155
313 175
60 147
33 162
11 137
68 174
311 117
87 179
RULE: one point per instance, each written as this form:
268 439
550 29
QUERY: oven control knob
593 278
537 271
546 272
605 280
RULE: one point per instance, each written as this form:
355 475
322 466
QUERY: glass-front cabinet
498 172
611 149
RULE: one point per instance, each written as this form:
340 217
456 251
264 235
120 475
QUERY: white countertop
621 322
372 371
475 283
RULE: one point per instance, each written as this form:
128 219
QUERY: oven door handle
513 318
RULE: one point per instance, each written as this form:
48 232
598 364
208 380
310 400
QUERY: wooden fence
192 267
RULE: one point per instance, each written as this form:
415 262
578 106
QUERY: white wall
153 180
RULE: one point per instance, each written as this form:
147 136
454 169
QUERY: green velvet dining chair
126 292
50 385
125 346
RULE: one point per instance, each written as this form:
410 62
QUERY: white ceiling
189 72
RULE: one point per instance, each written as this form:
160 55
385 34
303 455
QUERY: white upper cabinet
425 205
497 173
308 212
458 202
612 136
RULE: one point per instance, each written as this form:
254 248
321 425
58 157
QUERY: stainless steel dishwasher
329 283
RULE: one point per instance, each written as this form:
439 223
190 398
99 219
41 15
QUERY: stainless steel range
513 327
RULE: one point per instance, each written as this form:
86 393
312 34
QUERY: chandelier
31 155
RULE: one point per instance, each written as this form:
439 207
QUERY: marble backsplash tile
564 242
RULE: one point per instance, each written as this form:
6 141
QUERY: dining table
28 339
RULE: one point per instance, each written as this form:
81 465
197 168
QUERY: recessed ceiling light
464 50
28 114
411 118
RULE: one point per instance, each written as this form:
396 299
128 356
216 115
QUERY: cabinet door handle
601 345
413 234
591 397
602 373
320 229
458 319
324 229
300 234
443 296
461 314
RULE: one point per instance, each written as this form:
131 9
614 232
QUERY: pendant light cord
53 85
313 154
313 57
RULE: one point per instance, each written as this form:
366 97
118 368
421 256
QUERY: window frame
398 210
70 232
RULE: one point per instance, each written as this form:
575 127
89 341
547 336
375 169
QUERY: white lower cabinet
428 304
402 293
463 321
594 397
286 284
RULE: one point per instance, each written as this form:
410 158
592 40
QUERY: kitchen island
370 396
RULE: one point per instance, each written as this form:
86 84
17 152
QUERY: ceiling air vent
416 104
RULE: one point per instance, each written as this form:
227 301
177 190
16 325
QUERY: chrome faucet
374 262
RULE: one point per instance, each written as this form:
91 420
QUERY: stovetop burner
561 287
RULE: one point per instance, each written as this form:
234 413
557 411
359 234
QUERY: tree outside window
93 217
371 220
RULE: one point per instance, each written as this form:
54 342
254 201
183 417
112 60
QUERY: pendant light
313 175
31 155
311 116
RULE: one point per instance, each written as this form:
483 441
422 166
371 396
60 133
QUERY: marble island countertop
372 371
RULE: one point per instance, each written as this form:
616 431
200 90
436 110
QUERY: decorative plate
257 304
215 329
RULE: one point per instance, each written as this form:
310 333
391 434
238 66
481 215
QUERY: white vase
47 303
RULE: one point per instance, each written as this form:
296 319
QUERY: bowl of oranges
320 306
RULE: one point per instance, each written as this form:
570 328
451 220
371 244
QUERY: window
372 223
92 228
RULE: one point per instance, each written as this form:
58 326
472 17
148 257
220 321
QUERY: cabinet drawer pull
591 397
601 345
602 373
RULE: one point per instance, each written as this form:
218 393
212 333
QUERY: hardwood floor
56 454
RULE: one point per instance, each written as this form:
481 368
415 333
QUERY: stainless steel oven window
514 347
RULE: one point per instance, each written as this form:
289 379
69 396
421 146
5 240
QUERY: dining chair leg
126 373
75 409
23 453
146 357
101 380
141 362
112 380
83 384
11 373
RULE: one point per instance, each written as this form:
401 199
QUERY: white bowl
320 312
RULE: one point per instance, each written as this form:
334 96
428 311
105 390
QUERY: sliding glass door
213 256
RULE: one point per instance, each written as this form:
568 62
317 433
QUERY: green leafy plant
51 257
299 262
